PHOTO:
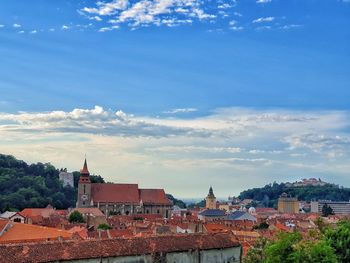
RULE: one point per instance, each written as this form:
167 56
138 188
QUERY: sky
179 94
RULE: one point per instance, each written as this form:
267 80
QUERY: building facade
288 204
338 207
121 199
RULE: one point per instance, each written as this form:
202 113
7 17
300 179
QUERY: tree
280 251
76 217
327 210
339 240
103 226
257 254
310 252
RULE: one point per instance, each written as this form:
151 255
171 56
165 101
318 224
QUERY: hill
34 185
37 185
267 196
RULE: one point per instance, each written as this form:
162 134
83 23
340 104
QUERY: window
158 211
147 212
17 220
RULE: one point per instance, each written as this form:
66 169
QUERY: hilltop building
307 182
210 200
123 199
288 204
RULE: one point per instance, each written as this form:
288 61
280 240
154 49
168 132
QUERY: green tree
103 227
280 251
311 252
327 210
76 217
339 239
257 253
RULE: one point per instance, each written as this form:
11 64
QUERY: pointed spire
211 192
85 170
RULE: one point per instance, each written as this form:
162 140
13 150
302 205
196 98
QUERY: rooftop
74 250
18 232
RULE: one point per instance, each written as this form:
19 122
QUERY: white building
338 207
66 178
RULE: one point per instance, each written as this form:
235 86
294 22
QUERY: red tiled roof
3 223
74 250
35 212
94 211
154 196
115 193
24 233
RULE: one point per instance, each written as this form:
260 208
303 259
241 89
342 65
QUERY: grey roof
7 214
212 212
241 215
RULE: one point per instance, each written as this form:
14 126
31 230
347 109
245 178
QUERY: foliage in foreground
331 245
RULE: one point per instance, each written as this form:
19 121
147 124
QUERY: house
211 215
20 233
241 216
13 216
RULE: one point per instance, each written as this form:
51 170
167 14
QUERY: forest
267 196
34 185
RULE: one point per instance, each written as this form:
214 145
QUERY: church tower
210 201
84 187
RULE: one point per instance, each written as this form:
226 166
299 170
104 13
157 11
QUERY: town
125 223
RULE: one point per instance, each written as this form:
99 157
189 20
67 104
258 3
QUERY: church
121 199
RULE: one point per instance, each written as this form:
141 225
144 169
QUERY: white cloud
147 12
286 27
65 27
1 26
263 1
104 8
230 147
181 110
16 25
264 19
33 32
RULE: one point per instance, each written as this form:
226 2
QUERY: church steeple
84 187
84 173
85 170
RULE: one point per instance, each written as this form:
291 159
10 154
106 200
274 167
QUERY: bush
103 227
76 217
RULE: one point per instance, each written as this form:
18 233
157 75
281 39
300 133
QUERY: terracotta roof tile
94 211
115 193
154 196
24 232
74 250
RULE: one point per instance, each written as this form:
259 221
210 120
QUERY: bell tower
84 187
210 201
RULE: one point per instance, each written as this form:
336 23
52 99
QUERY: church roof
154 196
127 193
115 193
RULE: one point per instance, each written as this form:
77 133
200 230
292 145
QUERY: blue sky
234 91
